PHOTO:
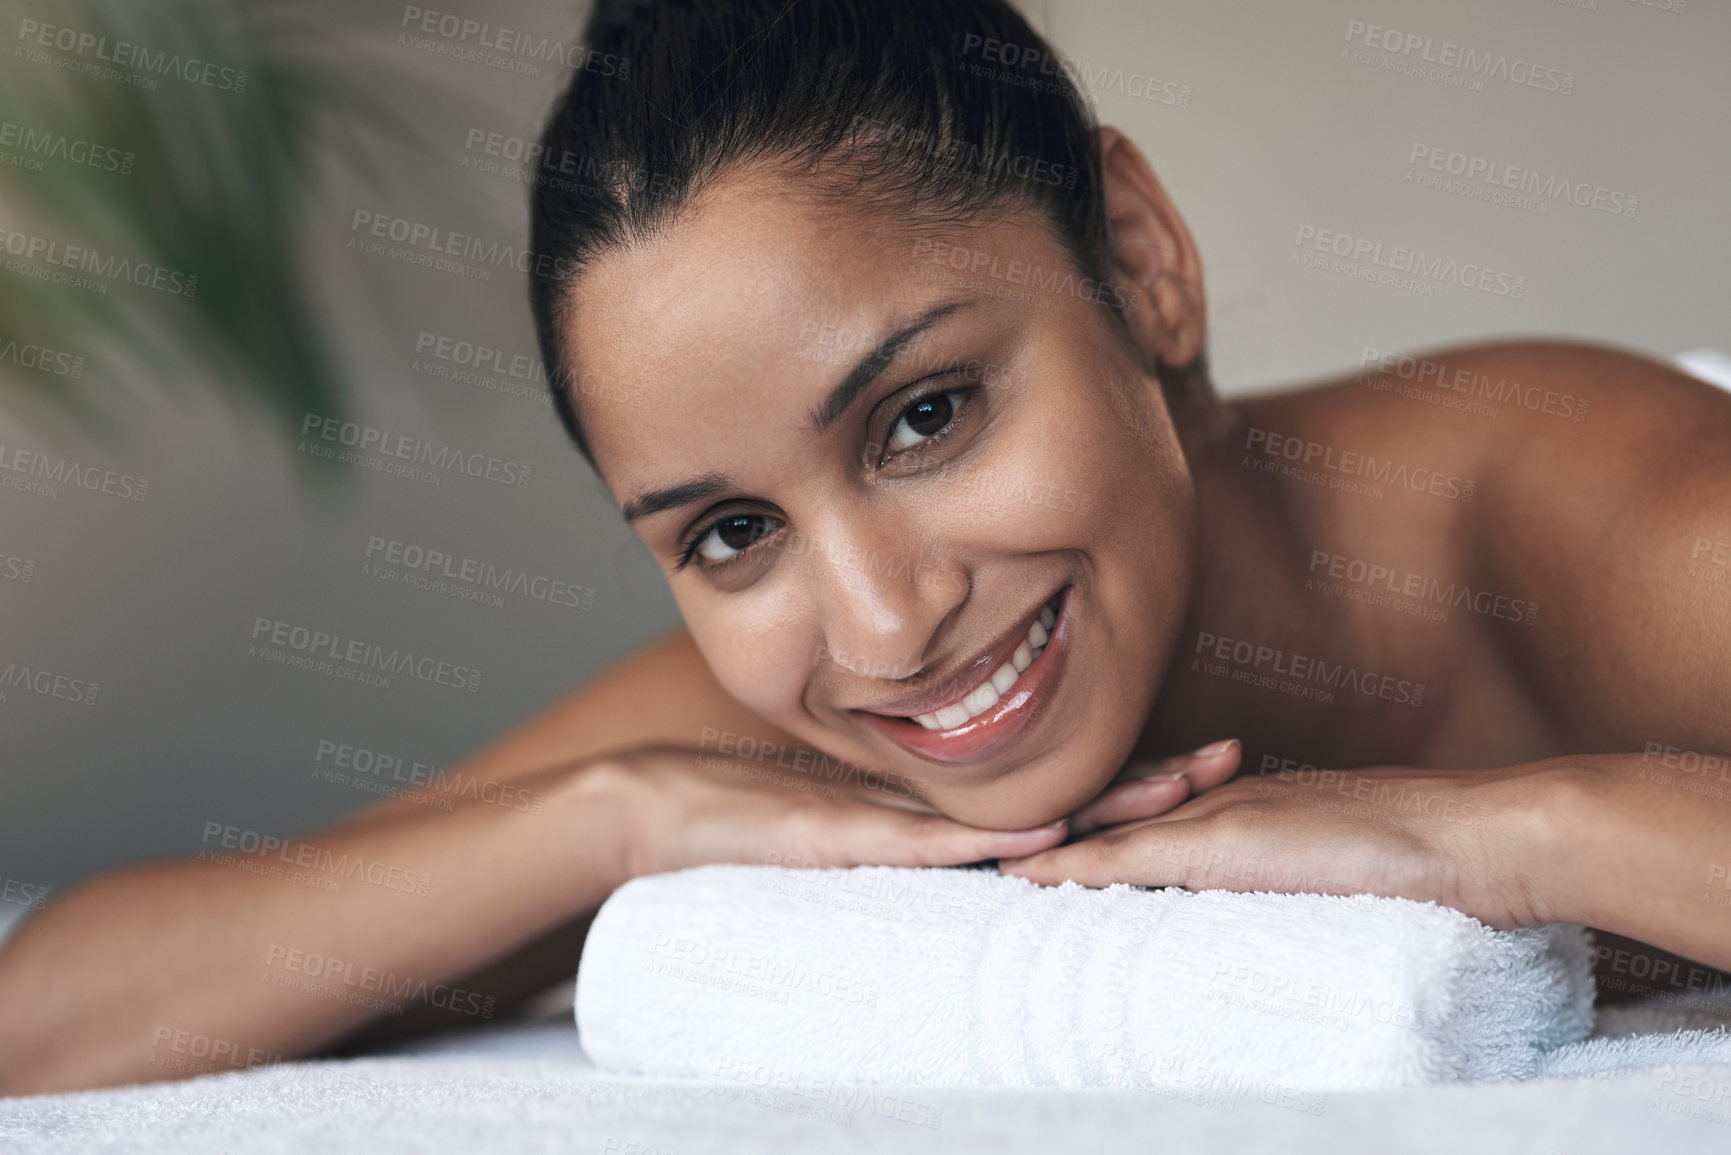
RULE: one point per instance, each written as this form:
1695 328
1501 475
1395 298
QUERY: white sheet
529 1088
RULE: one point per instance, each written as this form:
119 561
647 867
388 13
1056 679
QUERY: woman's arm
183 967
161 942
1629 843
250 952
1640 845
664 694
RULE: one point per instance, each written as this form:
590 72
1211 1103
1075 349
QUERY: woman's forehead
757 292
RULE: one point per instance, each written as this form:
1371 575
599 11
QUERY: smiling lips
973 725
984 696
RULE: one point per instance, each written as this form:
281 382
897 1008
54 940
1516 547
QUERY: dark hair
937 109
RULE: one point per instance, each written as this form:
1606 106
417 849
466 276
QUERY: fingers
900 835
942 842
1146 789
1212 764
1193 847
896 838
1096 862
1206 767
1133 800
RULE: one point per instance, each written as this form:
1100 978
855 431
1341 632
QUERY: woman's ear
1154 260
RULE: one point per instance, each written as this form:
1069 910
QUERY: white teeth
952 716
986 694
982 697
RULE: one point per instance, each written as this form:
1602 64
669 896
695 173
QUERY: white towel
1630 1054
949 977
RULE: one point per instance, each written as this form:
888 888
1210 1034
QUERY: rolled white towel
949 977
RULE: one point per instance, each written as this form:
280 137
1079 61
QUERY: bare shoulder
1477 405
1611 393
1547 421
1592 484
1617 520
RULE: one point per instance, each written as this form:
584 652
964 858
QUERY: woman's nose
884 598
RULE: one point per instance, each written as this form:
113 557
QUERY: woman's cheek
770 679
1034 493
761 659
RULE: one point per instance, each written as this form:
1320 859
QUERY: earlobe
1153 256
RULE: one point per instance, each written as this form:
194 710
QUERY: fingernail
1214 749
1172 776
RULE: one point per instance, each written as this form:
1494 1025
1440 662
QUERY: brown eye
730 536
924 418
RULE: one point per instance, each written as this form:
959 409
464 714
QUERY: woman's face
871 456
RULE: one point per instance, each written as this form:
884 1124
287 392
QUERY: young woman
896 362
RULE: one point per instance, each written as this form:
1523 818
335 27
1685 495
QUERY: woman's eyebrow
822 417
873 363
674 496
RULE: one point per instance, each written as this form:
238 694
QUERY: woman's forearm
1620 842
181 967
1640 845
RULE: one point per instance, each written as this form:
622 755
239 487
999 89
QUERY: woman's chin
1054 787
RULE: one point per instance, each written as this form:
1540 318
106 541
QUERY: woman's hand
690 807
1451 837
1144 789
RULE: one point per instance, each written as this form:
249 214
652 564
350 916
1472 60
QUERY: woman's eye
921 420
730 536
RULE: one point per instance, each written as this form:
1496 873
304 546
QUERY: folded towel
948 977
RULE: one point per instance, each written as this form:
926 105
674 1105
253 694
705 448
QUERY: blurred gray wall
1272 124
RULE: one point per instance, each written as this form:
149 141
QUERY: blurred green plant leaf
219 173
